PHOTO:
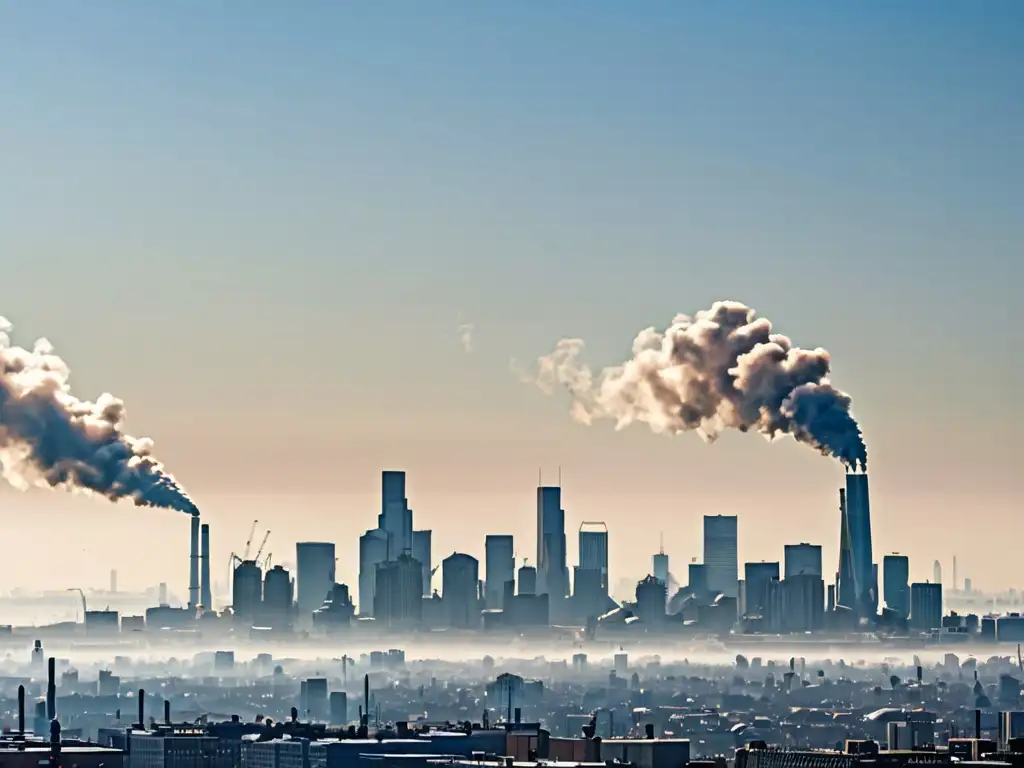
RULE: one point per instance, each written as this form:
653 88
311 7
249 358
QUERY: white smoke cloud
721 369
50 438
465 331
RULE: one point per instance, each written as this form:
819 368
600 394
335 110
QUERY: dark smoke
722 369
49 437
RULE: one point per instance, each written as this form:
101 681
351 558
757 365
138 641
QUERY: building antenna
661 543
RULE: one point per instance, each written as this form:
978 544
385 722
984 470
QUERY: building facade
500 565
720 554
315 562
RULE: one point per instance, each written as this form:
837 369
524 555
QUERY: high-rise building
373 550
246 591
845 589
651 597
421 544
593 543
756 577
395 516
802 559
527 580
278 597
398 592
925 607
315 575
858 519
720 555
697 575
659 567
552 572
459 576
896 582
500 568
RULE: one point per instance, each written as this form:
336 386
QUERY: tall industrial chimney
193 573
205 598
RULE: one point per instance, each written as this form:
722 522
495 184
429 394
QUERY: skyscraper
315 576
593 544
459 575
756 577
552 573
373 550
926 606
858 517
659 567
500 568
421 546
895 580
845 590
802 559
395 517
720 558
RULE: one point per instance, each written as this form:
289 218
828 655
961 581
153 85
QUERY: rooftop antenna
661 543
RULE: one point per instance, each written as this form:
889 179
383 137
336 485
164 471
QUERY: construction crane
248 544
81 594
262 545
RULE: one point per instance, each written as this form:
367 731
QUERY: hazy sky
261 224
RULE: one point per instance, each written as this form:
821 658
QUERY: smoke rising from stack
722 369
50 438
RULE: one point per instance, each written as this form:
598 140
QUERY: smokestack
167 712
977 723
205 598
142 709
51 689
724 368
21 710
63 442
193 573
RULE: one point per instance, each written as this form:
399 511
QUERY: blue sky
261 225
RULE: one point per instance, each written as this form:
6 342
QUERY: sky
261 225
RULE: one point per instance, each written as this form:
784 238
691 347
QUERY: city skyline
279 258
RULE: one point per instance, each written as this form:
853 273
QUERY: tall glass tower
858 521
552 574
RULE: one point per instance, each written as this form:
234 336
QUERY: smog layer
723 368
50 438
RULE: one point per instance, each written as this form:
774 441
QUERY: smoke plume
722 369
465 331
48 437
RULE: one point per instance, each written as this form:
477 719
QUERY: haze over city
304 245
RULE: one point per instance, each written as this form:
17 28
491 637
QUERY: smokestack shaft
193 573
142 708
21 710
205 597
51 690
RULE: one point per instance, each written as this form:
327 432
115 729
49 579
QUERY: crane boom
262 545
248 543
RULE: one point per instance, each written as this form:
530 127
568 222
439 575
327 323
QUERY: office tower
246 591
858 519
527 580
500 568
797 604
421 551
697 575
802 559
846 593
651 597
315 575
552 572
395 516
895 579
925 607
339 708
278 596
459 576
373 550
398 592
659 567
316 699
756 577
720 558
593 543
